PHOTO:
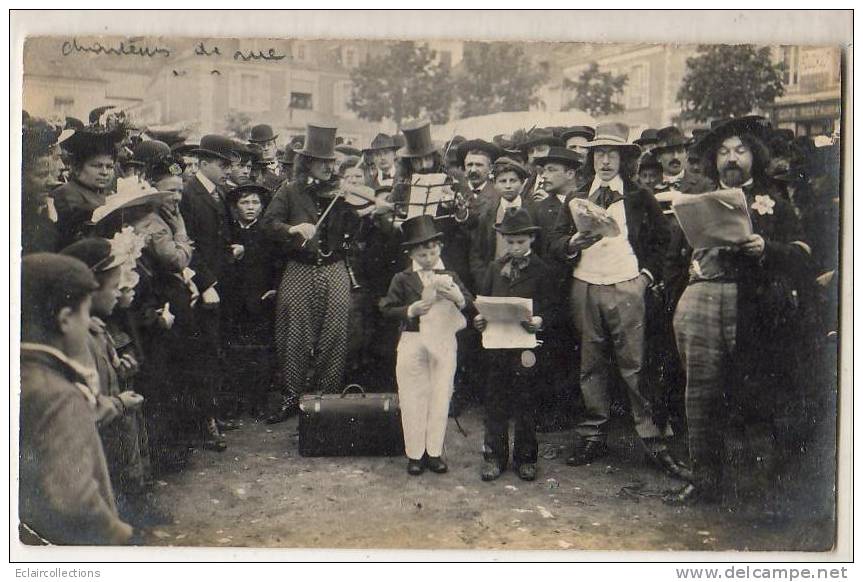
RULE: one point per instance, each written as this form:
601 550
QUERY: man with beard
740 306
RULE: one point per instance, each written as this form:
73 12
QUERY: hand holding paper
504 317
592 219
714 219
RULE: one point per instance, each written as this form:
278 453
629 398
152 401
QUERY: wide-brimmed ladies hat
93 141
320 142
613 134
418 141
418 230
131 192
516 221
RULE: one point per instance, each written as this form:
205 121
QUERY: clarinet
346 245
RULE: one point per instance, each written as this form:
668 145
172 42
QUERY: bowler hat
540 136
721 129
560 155
516 221
244 187
507 164
418 230
613 134
648 136
320 142
578 130
669 138
217 146
382 141
418 141
262 133
465 147
149 151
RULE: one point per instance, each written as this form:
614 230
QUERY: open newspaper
714 219
504 316
592 219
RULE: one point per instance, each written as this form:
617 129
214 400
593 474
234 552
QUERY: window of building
249 91
637 89
300 100
300 52
350 59
341 94
63 105
791 60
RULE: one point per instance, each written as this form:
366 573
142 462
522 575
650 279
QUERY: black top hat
320 142
721 129
670 138
578 130
560 155
648 136
262 133
516 221
541 136
506 164
467 146
382 141
418 230
245 186
217 146
418 141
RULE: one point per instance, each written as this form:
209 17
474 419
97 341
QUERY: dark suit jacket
407 288
647 228
534 282
207 223
483 239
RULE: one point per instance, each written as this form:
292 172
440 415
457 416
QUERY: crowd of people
170 288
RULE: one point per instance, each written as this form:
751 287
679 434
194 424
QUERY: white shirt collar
206 182
439 266
246 226
514 204
616 184
746 183
478 188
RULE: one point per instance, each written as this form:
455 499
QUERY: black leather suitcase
351 424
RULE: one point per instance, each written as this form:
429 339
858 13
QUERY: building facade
812 103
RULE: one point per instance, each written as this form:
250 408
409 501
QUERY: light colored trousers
425 370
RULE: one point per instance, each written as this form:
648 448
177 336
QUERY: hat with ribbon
93 140
516 221
418 141
560 155
418 230
131 192
613 134
217 146
320 142
262 134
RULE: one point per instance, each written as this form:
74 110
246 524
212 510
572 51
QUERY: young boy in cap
512 373
63 502
428 300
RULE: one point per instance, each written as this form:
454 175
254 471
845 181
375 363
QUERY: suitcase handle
349 386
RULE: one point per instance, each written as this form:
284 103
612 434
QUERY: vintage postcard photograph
428 293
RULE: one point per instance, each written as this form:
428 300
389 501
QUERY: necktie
605 196
513 266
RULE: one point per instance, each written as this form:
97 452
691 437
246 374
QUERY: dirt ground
261 493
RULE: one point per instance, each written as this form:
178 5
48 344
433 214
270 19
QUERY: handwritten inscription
123 48
203 51
270 55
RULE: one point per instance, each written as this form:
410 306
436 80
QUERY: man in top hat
670 151
382 152
60 501
740 364
648 140
610 277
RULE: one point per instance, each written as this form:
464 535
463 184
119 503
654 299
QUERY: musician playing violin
312 225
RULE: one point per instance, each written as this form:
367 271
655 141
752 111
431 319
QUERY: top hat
262 134
541 136
467 146
516 221
506 164
418 141
721 129
245 186
560 155
578 130
418 230
130 192
613 134
648 136
217 146
320 142
669 138
382 141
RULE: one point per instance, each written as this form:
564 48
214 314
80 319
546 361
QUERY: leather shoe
691 495
436 465
415 467
490 471
670 465
526 471
289 407
586 452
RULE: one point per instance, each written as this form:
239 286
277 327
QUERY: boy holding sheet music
512 373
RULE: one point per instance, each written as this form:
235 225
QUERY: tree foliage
404 82
729 80
496 77
595 91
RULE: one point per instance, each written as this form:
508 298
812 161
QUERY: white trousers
425 371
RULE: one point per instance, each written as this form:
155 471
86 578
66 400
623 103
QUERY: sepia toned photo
421 293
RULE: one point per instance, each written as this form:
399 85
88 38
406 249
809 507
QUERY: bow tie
605 196
513 266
